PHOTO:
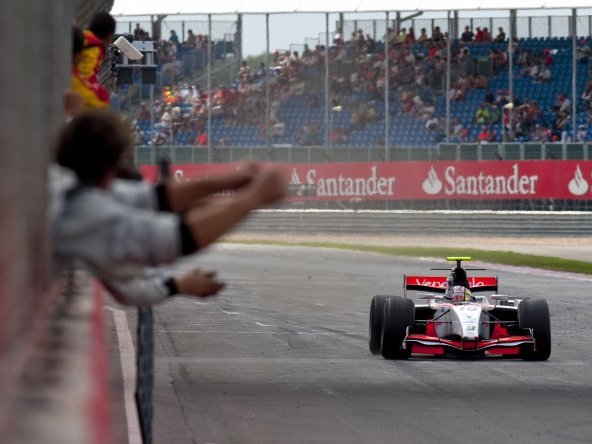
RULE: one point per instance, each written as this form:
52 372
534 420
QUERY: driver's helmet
461 294
458 293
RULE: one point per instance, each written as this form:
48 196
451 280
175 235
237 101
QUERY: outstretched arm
181 196
152 286
208 222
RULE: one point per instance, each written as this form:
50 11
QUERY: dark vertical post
386 90
574 74
267 91
238 41
447 92
209 82
327 107
145 372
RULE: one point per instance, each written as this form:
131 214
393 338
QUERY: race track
282 357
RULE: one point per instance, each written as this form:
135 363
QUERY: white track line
127 355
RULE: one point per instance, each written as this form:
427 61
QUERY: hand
199 283
269 185
243 175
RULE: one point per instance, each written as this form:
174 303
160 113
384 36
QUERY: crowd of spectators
416 79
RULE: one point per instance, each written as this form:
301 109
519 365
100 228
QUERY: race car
454 321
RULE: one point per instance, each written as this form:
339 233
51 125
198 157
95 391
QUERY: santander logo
295 178
433 184
578 185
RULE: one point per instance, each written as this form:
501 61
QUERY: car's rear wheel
375 327
399 313
534 314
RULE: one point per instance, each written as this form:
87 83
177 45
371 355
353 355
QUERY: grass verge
491 256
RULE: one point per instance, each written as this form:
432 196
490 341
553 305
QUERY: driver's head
458 293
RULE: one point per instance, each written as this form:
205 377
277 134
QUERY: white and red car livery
477 326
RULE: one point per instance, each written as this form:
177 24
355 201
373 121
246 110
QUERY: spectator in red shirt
479 36
201 139
547 57
486 136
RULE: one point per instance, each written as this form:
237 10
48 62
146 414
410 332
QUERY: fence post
145 356
145 372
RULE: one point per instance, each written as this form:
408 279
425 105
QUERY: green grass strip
491 256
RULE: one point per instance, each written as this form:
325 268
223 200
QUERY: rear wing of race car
437 284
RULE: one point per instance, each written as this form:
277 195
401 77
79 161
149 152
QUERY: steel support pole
209 87
510 79
386 91
267 92
574 74
327 107
447 92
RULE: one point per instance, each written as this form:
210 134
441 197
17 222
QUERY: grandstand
405 129
300 98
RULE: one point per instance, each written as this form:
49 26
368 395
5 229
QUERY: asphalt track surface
281 356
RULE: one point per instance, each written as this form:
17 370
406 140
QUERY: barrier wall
35 53
440 180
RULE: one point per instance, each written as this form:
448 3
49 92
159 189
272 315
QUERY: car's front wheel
534 314
375 327
399 313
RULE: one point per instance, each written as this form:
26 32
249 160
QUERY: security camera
127 48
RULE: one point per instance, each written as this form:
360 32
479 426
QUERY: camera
127 48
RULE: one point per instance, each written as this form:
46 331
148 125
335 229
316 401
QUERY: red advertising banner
472 180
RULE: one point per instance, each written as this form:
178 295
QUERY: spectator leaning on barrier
121 229
85 71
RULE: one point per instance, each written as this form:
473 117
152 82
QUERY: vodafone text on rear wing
437 284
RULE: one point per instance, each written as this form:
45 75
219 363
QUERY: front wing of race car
429 345
499 343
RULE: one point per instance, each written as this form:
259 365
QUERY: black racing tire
534 314
375 324
399 313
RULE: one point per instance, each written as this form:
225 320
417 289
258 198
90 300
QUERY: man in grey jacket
122 230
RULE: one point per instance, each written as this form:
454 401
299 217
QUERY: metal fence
150 155
220 30
526 26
